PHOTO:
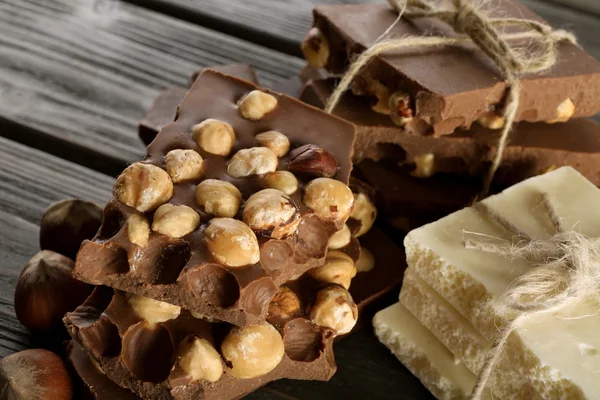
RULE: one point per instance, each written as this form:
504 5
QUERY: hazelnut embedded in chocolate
183 165
231 242
285 304
491 120
275 141
400 108
424 166
256 104
564 112
312 160
329 199
271 213
138 229
334 308
143 186
199 360
281 180
338 268
214 136
366 261
218 198
364 212
175 220
253 161
315 48
341 238
152 311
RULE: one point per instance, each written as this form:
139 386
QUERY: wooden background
77 75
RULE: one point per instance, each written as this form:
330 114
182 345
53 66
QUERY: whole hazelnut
152 311
271 213
313 160
281 180
334 308
67 223
315 48
143 186
329 199
338 268
275 141
199 360
256 104
138 230
365 212
183 165
341 238
491 120
564 112
253 161
366 261
175 220
214 136
46 291
252 350
34 374
232 242
285 304
218 198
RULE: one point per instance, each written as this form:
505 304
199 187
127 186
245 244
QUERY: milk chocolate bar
448 88
534 148
164 107
181 235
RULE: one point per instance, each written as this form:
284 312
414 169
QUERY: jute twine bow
466 18
565 271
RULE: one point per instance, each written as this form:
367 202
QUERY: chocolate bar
442 89
164 107
159 238
534 149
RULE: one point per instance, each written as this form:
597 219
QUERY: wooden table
77 75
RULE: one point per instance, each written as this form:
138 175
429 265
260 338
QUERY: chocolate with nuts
451 87
209 233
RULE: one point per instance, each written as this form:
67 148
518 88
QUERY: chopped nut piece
214 136
138 230
564 112
329 199
143 186
313 160
253 161
335 309
341 238
199 360
424 164
285 304
218 198
315 48
338 268
400 110
275 141
153 311
366 261
256 104
253 350
232 242
175 221
271 213
382 93
491 120
281 180
183 165
364 211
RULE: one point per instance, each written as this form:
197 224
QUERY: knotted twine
565 271
467 19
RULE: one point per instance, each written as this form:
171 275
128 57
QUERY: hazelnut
281 180
175 221
366 261
214 136
276 141
382 93
183 165
232 242
152 311
253 350
334 308
312 160
46 291
256 104
138 230
341 238
338 268
491 120
218 198
364 211
143 186
34 374
551 168
329 199
253 161
400 109
271 213
199 360
67 223
315 48
564 111
424 166
285 304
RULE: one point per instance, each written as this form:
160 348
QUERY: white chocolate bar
558 352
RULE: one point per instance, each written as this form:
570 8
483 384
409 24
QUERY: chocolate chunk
160 232
451 87
535 148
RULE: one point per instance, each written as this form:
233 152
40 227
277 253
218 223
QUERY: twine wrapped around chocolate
466 18
565 270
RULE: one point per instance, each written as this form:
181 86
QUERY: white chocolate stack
450 295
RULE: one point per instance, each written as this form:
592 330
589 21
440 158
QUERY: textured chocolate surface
451 87
126 347
181 271
164 107
534 148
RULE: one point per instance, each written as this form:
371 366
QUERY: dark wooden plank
80 73
591 6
